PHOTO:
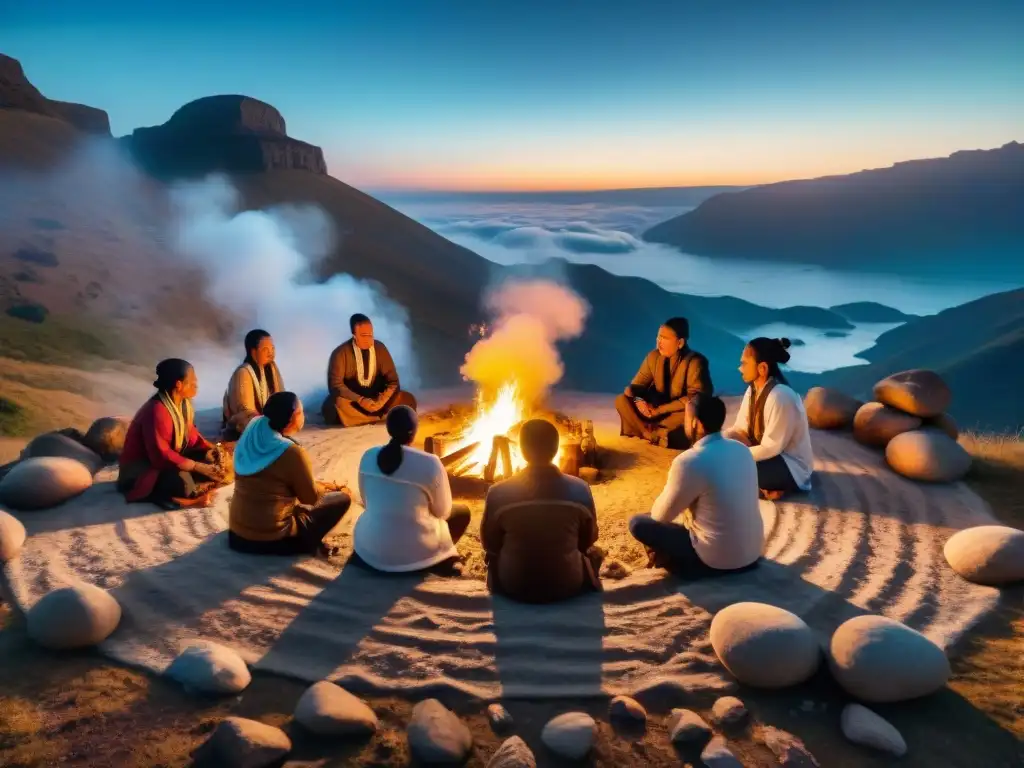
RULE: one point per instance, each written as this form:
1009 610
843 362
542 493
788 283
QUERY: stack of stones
907 418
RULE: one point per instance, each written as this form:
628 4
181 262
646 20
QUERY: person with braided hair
772 421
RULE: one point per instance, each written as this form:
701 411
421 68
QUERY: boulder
987 554
12 536
56 444
327 709
625 708
716 754
207 667
728 710
687 727
570 735
945 423
45 482
73 617
436 735
830 408
764 646
106 437
928 455
918 392
513 753
876 424
241 743
862 726
877 659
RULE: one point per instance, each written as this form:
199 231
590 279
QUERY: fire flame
493 418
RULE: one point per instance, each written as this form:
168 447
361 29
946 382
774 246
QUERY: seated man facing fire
653 405
251 385
362 380
713 487
409 523
540 527
165 460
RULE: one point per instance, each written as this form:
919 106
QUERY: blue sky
555 95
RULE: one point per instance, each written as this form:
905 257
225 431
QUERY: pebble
570 735
241 743
862 726
717 755
327 709
499 718
728 710
627 709
207 667
686 726
513 753
436 735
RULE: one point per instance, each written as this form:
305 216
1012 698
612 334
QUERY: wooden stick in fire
460 454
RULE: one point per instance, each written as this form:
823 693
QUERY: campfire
484 444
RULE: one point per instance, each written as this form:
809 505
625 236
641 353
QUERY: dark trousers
312 523
773 475
170 483
673 549
458 524
636 425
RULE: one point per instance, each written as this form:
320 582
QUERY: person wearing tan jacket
540 527
278 507
362 380
672 375
251 385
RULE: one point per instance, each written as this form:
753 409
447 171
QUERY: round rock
12 536
929 455
62 446
207 667
945 423
728 710
327 709
880 660
499 718
570 735
106 437
987 554
513 753
241 743
41 483
73 617
764 646
716 754
830 408
862 726
918 392
686 727
876 424
436 735
625 708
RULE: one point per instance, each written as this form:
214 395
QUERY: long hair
252 341
402 425
280 408
772 352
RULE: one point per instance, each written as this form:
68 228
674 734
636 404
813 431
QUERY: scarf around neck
755 412
181 418
365 378
259 447
261 386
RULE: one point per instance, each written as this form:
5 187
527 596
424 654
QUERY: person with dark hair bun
540 527
362 380
278 507
410 523
670 376
772 421
251 385
165 459
713 488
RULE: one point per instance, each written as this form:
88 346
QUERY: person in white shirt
713 488
772 421
409 523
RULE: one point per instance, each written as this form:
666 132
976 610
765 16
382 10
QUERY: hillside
978 348
934 215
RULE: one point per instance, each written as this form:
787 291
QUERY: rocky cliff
230 134
18 93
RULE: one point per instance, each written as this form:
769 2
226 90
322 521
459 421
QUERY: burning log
500 450
453 458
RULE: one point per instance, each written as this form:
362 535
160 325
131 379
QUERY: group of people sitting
539 529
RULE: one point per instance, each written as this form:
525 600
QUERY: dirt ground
80 709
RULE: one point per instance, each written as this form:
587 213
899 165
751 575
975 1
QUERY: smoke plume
258 266
529 317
